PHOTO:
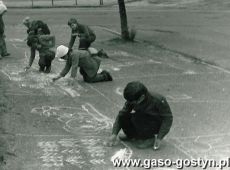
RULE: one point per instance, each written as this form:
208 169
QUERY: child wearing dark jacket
145 118
42 45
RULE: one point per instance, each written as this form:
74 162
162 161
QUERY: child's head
26 21
135 92
72 23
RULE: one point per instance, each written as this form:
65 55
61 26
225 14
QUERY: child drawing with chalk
41 43
39 39
81 59
145 118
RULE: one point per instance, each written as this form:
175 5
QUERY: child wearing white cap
82 59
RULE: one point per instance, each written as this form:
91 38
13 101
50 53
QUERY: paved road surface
56 126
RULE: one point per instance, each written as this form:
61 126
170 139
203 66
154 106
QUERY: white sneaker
61 59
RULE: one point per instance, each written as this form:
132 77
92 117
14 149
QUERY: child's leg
1 45
4 53
42 62
103 76
49 56
127 126
84 44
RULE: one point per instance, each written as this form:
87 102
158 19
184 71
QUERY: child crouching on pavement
88 65
145 118
42 44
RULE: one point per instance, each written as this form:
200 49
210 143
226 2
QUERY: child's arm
64 71
117 124
31 60
72 40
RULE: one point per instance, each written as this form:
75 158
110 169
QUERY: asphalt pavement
56 126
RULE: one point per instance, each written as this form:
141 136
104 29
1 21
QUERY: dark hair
71 21
32 39
134 90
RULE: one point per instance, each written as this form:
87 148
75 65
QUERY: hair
71 21
26 20
134 90
31 39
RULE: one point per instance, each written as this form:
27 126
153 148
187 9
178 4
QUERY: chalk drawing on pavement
190 72
15 40
34 80
84 118
119 91
176 97
89 125
215 147
18 43
118 67
122 154
55 153
122 54
126 64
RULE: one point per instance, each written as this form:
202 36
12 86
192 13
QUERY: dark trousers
3 49
45 59
139 126
84 43
97 78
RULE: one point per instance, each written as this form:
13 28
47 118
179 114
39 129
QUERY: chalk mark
205 146
119 91
179 97
83 120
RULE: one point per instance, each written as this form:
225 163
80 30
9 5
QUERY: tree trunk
123 18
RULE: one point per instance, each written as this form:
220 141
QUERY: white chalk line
15 40
206 153
179 97
183 151
119 91
103 95
70 91
165 75
104 118
22 94
203 136
217 67
198 101
15 46
40 135
6 74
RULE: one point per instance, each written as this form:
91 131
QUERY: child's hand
27 68
111 141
